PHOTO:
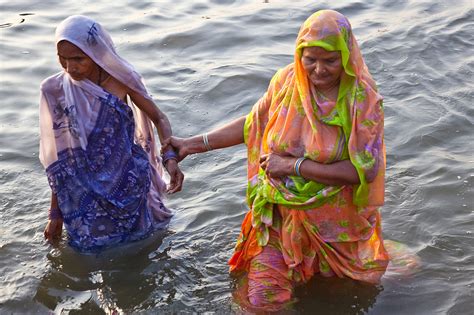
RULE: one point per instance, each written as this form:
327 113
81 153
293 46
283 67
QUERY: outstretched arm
226 136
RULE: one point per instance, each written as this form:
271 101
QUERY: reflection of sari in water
295 227
98 151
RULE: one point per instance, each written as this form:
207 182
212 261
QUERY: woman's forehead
67 48
320 52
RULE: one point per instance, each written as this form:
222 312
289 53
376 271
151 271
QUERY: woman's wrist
170 163
169 155
205 140
55 213
290 169
195 145
297 166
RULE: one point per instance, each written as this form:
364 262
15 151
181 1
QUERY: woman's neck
329 93
100 77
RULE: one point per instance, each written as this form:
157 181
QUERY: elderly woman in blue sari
98 146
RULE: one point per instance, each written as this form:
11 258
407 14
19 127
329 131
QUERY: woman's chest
316 140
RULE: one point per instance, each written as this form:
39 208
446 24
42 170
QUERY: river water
206 62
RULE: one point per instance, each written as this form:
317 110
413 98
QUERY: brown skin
80 67
324 70
54 228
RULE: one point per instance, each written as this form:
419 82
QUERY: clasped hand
276 165
177 177
179 145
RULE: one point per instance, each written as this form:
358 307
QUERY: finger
173 190
178 184
268 173
49 237
263 158
172 185
271 173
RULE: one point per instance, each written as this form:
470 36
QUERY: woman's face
324 68
76 62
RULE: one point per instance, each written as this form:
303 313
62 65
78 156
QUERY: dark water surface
206 62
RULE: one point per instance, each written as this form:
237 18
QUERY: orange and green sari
296 227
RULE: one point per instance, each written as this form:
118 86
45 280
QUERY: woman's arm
159 119
54 228
163 126
226 136
338 173
334 174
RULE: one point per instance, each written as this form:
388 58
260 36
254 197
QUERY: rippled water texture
206 62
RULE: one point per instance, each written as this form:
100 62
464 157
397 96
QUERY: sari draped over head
316 227
99 151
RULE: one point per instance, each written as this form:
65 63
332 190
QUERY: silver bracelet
297 165
206 142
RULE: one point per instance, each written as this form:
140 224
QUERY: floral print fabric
102 191
318 228
100 152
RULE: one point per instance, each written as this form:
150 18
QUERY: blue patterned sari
102 191
99 152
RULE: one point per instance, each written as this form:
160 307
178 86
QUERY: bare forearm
338 173
159 119
226 136
163 127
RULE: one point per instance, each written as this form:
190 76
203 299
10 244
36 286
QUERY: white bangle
206 142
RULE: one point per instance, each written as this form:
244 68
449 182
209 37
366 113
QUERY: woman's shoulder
369 89
286 71
282 74
52 84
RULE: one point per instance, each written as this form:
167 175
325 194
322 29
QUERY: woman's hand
53 230
276 165
176 176
179 146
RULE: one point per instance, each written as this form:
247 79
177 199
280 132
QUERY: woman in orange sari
316 166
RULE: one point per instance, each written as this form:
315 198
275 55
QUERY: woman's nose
319 68
70 67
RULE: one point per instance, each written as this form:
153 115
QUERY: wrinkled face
76 62
324 68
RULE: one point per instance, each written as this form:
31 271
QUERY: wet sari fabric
295 227
99 151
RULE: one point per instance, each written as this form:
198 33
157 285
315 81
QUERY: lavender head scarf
72 104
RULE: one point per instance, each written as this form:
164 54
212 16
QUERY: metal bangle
169 155
206 142
297 165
